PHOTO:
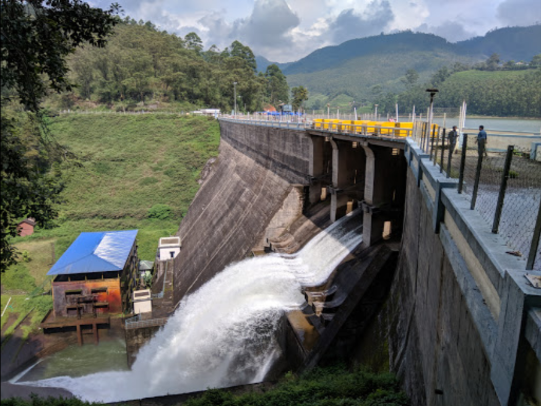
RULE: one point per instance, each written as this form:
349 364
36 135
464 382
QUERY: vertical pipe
432 146
503 186
462 163
535 241
436 147
449 161
476 182
442 150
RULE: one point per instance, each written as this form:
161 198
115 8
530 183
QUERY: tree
193 42
277 87
300 94
245 53
36 38
493 61
536 61
439 77
412 76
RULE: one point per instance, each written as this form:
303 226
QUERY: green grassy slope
127 164
356 76
500 93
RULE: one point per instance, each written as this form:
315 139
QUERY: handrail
130 325
339 128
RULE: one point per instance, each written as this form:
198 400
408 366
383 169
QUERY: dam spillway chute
224 334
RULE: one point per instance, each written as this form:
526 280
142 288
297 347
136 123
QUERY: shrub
26 256
160 212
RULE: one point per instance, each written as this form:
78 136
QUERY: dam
461 322
373 257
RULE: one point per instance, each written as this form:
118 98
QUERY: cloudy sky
286 30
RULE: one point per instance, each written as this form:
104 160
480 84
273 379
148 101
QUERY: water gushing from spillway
224 333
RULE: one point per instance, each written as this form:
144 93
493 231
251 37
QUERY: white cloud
512 12
450 30
286 30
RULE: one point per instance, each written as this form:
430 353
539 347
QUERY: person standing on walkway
453 137
482 141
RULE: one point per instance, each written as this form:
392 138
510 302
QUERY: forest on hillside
490 88
141 65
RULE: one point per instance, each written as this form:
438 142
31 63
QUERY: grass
25 309
331 386
476 75
126 164
321 387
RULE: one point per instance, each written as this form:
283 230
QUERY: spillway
224 334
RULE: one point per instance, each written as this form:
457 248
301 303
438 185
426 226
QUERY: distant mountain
355 66
263 62
511 43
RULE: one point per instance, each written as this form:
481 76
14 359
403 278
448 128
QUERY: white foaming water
224 333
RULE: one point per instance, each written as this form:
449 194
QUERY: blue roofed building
96 275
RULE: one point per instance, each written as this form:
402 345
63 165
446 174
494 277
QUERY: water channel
222 335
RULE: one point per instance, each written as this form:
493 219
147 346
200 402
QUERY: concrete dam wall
248 184
460 325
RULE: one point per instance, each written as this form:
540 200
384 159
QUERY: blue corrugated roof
96 252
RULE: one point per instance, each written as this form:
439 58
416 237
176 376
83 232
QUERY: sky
287 30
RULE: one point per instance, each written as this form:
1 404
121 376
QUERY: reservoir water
224 333
497 124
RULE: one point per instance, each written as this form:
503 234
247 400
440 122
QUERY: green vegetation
492 93
107 188
37 401
37 38
368 69
321 387
277 88
143 68
300 95
24 312
133 172
331 386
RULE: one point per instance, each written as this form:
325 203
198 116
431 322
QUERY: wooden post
96 336
79 335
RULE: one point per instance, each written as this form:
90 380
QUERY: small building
142 301
169 247
96 275
145 269
26 227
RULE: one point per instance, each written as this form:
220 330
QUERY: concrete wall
137 338
253 175
434 345
461 317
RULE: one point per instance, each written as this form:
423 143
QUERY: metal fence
136 322
504 187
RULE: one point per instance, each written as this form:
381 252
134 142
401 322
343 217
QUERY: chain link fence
504 187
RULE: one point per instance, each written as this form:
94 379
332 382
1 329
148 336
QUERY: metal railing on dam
383 129
502 297
503 187
509 208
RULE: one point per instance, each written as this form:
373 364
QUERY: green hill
511 43
354 67
127 164
497 93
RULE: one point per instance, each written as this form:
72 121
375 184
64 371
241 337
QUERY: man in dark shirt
482 141
453 136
